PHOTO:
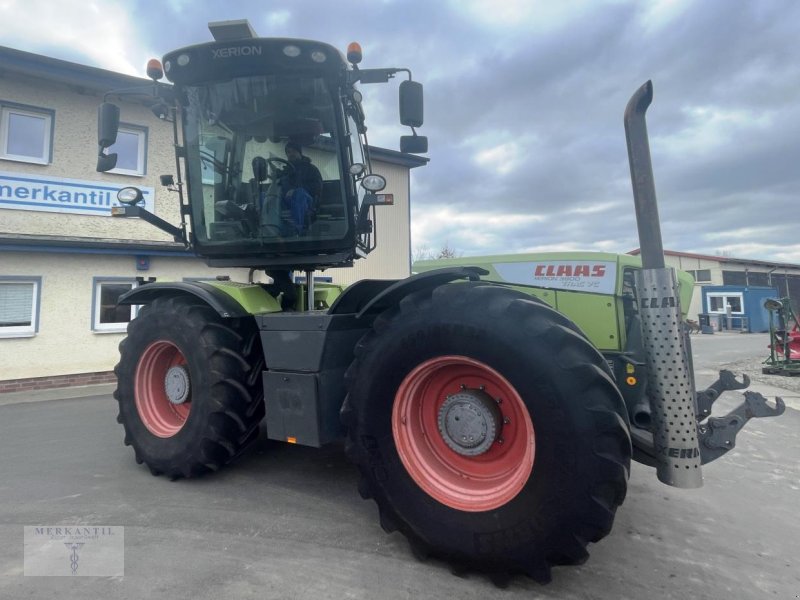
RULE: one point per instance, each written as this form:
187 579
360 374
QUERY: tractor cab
273 149
246 197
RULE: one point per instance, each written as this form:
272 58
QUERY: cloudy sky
524 102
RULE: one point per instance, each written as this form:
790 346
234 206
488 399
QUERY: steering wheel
276 164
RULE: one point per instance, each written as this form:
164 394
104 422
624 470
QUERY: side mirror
107 124
106 162
107 128
160 110
411 105
413 144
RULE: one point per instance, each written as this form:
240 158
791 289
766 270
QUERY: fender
372 297
222 302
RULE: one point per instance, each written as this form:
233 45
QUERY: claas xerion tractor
486 425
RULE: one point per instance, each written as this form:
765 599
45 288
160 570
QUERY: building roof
725 259
88 78
62 71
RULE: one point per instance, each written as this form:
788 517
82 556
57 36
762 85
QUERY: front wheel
189 387
488 430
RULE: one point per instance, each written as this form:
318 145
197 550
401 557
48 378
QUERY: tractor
487 426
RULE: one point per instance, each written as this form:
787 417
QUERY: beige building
64 260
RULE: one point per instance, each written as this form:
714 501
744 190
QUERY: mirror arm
158 90
177 233
366 76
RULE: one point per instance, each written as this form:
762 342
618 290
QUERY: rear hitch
718 434
726 382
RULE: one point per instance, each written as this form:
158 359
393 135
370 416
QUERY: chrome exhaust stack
670 387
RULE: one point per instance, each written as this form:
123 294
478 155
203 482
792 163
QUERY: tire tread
551 329
232 351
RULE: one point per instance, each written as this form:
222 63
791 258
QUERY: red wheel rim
161 417
468 483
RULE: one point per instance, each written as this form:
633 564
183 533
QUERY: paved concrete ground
287 522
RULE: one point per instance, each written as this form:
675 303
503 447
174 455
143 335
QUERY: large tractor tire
189 387
488 430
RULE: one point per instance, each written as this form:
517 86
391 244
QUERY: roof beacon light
354 53
154 70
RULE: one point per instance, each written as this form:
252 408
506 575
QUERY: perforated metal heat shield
670 387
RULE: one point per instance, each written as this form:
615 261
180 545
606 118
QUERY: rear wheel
189 387
488 430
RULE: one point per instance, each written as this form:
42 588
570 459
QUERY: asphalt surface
286 521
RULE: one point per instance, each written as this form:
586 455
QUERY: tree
421 253
424 252
448 252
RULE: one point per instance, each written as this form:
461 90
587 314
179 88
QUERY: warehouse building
64 261
722 282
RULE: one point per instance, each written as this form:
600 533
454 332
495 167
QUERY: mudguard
229 299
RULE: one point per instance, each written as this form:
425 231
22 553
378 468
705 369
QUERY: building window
26 134
19 306
718 303
758 278
734 278
701 275
107 316
131 149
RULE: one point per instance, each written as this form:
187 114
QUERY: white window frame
141 159
28 111
97 326
725 296
25 330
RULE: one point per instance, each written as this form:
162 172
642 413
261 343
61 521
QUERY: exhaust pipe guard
670 387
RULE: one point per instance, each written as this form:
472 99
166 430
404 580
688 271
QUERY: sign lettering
236 51
19 191
574 275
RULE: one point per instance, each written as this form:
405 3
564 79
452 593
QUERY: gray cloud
548 97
